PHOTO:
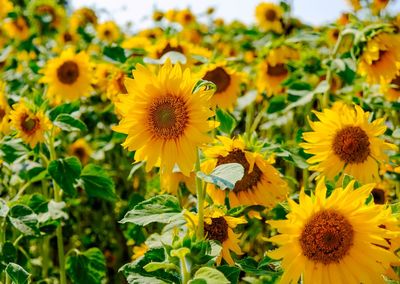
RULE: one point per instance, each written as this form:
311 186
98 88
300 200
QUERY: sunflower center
378 195
277 70
107 33
68 72
327 237
67 37
351 144
396 83
220 78
80 153
271 15
217 230
168 117
29 124
2 114
169 48
249 179
19 24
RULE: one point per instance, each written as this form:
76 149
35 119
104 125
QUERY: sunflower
170 182
102 74
108 32
115 85
185 17
261 183
157 16
30 126
227 82
344 141
67 37
269 17
219 227
164 121
4 111
381 192
17 28
68 76
83 17
47 11
380 58
137 42
332 35
5 7
153 33
335 239
391 90
81 149
355 4
273 70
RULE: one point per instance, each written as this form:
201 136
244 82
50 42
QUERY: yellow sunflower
219 227
170 182
108 32
136 42
17 28
4 111
273 70
31 126
391 90
81 149
344 141
380 58
332 35
115 85
102 74
68 76
227 81
67 37
269 17
335 239
5 7
355 4
82 17
164 121
185 17
381 192
157 16
261 183
48 11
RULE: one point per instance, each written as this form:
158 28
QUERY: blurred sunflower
261 183
332 36
219 227
355 4
273 70
47 12
17 28
141 42
4 111
345 141
68 76
5 7
227 81
83 17
30 126
102 74
164 121
185 17
81 149
153 33
269 17
381 192
115 84
335 239
391 90
67 37
108 32
157 16
380 58
164 46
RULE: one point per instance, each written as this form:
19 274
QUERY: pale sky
310 11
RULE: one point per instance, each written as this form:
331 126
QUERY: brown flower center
219 77
271 15
396 83
379 196
351 144
29 125
68 72
249 179
327 237
277 70
2 114
217 230
107 33
168 117
67 37
169 48
80 153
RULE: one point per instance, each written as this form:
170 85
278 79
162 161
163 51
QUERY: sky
314 12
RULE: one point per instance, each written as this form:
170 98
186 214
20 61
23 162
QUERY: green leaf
69 123
224 176
8 253
12 150
64 108
209 275
65 172
17 274
115 53
24 219
87 267
228 122
153 266
97 183
231 273
3 208
277 103
160 208
136 278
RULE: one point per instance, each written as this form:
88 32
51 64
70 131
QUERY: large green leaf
231 273
65 172
17 274
161 209
97 183
87 267
24 219
69 123
67 108
224 176
227 121
208 275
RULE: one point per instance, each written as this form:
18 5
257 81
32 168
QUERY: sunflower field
199 150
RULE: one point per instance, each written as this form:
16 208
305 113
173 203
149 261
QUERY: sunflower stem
57 197
200 200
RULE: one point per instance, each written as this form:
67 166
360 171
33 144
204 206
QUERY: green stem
306 175
184 271
249 119
200 201
258 118
59 234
